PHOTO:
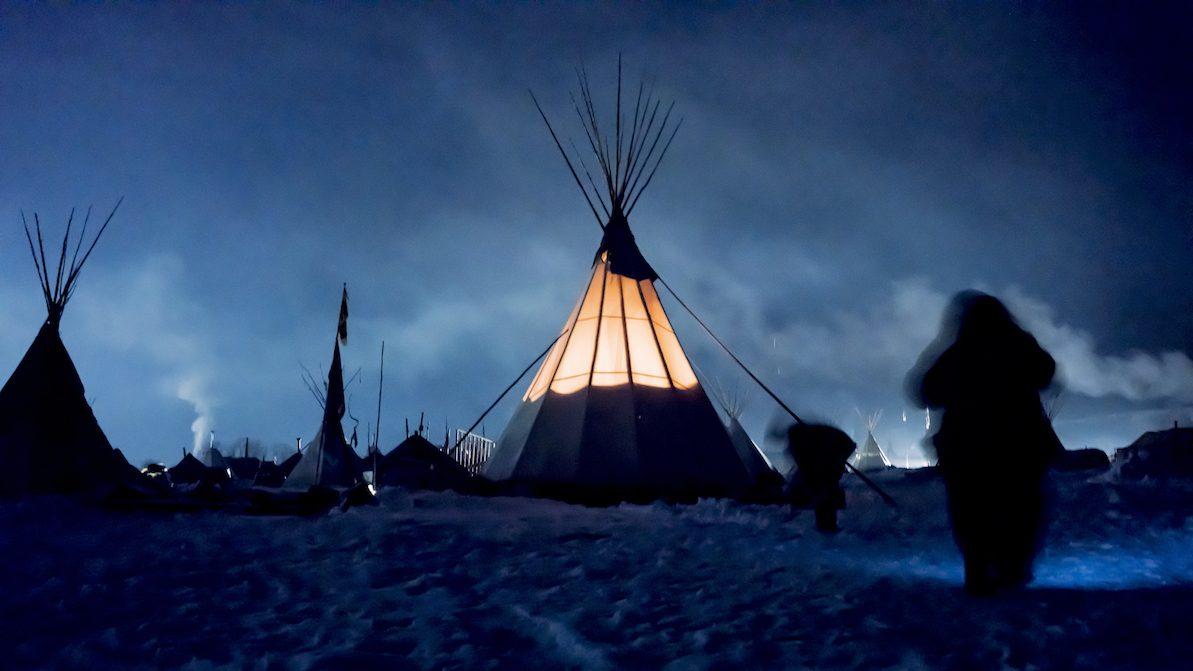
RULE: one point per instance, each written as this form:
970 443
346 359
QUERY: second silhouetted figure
820 452
995 441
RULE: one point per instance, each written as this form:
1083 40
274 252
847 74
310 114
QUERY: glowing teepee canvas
617 331
615 404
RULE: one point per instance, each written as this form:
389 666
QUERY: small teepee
870 456
50 441
328 459
733 404
615 409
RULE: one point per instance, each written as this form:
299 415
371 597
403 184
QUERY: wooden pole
506 391
380 386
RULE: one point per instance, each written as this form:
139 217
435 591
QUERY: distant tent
244 468
615 408
417 463
216 459
751 455
274 475
870 456
50 441
748 450
1157 455
328 459
287 465
1084 459
188 470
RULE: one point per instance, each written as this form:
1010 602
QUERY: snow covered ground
445 581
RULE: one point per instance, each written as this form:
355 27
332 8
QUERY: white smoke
879 343
861 354
1135 375
906 327
193 388
140 310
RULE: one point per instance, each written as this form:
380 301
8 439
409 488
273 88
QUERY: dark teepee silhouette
187 471
50 442
328 459
616 409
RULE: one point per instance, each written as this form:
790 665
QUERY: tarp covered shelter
417 463
275 474
1158 454
188 470
244 468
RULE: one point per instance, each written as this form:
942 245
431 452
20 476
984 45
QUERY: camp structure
274 473
1082 459
217 460
50 441
870 456
188 470
761 470
615 411
328 459
245 468
1157 455
417 463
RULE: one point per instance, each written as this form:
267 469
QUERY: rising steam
193 388
144 310
1135 375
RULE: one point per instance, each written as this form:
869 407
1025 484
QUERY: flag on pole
342 330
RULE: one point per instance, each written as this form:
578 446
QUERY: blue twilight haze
841 171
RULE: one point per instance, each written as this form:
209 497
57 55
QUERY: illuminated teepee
870 456
615 406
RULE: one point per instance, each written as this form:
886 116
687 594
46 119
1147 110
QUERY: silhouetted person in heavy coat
995 441
820 452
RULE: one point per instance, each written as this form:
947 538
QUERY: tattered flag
342 330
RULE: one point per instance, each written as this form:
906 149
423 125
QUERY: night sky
840 172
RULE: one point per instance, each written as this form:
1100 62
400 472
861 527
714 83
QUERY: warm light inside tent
617 332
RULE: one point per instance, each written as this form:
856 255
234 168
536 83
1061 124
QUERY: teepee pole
380 386
502 395
870 483
733 356
568 161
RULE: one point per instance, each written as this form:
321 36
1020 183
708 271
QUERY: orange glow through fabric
617 332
